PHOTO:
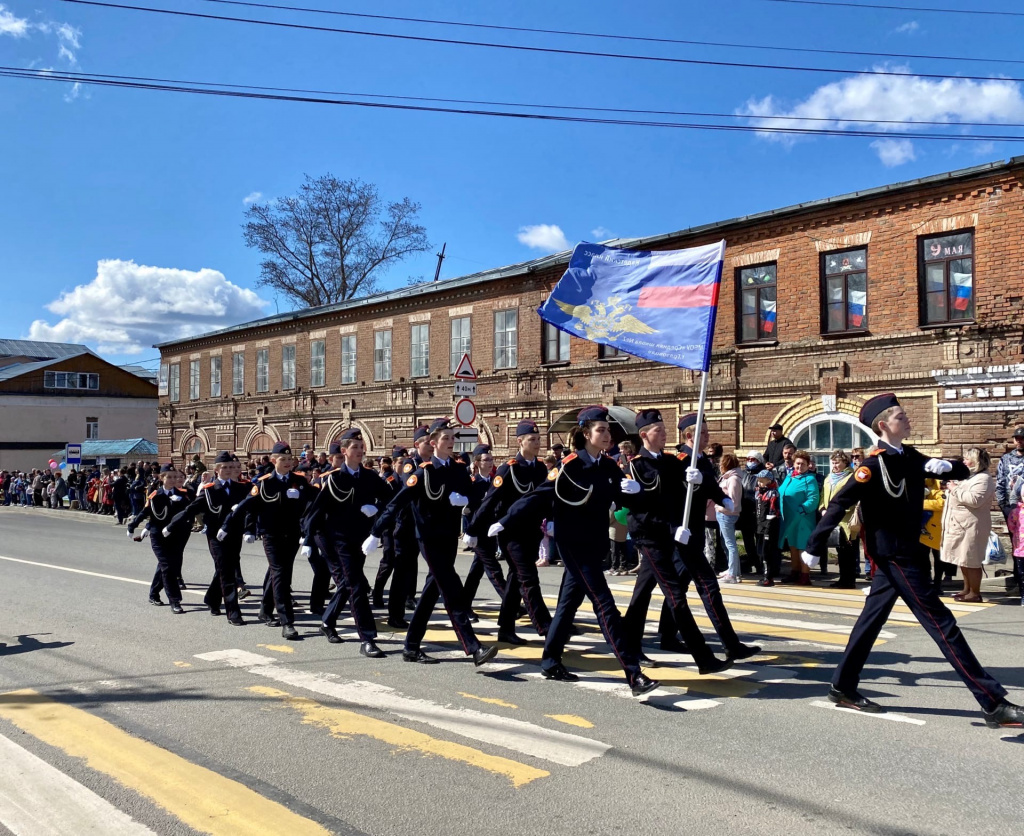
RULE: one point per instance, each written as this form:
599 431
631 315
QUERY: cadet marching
426 503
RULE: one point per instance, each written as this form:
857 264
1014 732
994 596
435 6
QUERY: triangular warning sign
465 371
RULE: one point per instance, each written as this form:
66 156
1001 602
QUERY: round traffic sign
465 412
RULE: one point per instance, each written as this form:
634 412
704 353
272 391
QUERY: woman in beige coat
967 522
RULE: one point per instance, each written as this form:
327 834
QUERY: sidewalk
67 513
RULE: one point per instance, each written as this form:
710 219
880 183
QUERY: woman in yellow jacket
847 542
931 531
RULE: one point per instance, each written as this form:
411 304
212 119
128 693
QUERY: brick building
916 287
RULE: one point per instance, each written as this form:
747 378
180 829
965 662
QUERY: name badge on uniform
175 498
293 493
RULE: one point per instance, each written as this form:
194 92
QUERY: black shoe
674 646
420 657
371 651
646 661
378 602
842 585
156 602
855 701
473 617
290 633
643 684
243 593
269 620
398 623
484 655
410 603
214 610
331 633
559 673
181 584
317 610
1006 714
523 612
744 651
715 665
510 637
176 608
237 620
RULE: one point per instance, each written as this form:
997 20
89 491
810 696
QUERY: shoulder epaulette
876 450
511 461
265 476
208 484
181 490
569 458
682 456
427 464
154 493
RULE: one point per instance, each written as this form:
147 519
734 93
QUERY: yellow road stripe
202 799
344 724
571 720
489 700
278 648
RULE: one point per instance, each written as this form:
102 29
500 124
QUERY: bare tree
332 241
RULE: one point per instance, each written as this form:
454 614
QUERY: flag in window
857 305
963 287
768 316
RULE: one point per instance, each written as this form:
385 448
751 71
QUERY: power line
887 7
225 90
80 76
613 36
531 49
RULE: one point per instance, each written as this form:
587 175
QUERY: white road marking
619 688
895 718
37 799
90 574
517 735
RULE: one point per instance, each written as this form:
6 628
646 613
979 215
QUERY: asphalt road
119 717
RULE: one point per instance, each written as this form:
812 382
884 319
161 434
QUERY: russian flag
857 306
963 289
768 316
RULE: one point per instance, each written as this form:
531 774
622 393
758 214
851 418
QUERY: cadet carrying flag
658 304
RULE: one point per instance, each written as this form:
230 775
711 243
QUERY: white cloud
127 307
883 101
894 152
602 233
546 237
16 27
252 197
908 28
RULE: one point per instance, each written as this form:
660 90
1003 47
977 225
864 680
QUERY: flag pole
690 487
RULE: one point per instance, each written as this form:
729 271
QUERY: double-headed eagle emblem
605 320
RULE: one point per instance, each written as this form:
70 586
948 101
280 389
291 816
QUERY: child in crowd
768 512
1015 523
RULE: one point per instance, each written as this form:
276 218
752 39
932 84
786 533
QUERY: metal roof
18 369
113 448
39 350
537 264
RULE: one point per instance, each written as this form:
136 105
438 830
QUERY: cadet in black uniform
348 500
520 544
437 492
690 560
485 549
392 477
169 551
215 501
275 506
889 485
577 497
651 525
320 587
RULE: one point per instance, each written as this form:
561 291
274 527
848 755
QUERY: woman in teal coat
798 495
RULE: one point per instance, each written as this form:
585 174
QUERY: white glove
222 535
166 532
728 504
629 486
810 560
306 551
682 535
495 530
370 545
772 517
937 466
458 500
248 538
144 535
131 535
368 510
302 541
550 529
694 476
469 541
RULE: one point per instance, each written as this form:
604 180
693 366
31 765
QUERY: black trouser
319 591
277 586
848 557
659 568
401 567
170 552
348 556
223 587
584 578
691 564
330 558
485 559
522 585
443 581
619 555
1018 573
747 526
768 553
907 578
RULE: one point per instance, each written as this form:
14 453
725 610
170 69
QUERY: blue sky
121 211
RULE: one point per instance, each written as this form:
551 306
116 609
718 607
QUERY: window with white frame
162 380
382 355
317 362
92 429
827 434
193 380
419 350
174 384
238 373
263 370
506 339
460 341
555 344
288 367
71 380
215 377
348 358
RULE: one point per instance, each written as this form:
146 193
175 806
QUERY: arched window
195 446
825 433
261 444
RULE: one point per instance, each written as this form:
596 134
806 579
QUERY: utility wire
81 77
888 7
531 49
613 36
184 87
